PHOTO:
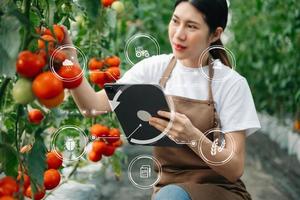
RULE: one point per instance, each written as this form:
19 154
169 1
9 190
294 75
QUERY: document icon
145 171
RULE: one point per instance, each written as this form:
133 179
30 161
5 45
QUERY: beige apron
183 167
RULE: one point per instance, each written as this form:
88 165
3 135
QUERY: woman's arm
234 168
89 102
183 130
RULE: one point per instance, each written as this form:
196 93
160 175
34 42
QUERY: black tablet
134 104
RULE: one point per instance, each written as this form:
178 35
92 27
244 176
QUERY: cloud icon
67 63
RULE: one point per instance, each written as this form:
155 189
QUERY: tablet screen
136 103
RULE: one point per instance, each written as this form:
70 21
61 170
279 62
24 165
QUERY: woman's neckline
188 68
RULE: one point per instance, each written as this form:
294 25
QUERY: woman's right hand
89 102
67 41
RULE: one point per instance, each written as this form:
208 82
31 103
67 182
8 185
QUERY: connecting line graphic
95 112
139 126
193 143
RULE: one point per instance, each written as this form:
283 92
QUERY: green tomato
118 6
22 92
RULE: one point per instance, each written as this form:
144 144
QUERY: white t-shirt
232 95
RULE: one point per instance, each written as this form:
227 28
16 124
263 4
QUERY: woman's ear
216 35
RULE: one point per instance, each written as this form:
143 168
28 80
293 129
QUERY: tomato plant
35 96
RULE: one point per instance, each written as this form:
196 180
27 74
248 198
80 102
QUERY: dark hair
215 15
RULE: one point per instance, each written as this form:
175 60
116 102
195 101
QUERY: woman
200 106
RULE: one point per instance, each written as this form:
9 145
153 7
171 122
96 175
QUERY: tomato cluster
9 186
52 176
104 70
107 140
34 68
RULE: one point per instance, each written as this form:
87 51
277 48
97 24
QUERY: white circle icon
221 70
69 142
142 171
139 47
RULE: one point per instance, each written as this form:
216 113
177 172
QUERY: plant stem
27 37
65 181
74 169
18 113
3 87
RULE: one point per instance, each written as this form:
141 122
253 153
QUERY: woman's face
188 33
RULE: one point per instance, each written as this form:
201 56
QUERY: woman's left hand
182 130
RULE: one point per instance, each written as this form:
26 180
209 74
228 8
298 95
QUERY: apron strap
211 75
217 121
163 80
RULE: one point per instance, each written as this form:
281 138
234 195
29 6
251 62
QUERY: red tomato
53 102
107 3
118 143
113 136
98 147
51 179
7 197
94 156
57 58
95 63
37 196
98 77
113 61
8 186
99 130
35 116
53 160
71 76
46 85
58 31
49 39
29 64
109 150
113 74
26 180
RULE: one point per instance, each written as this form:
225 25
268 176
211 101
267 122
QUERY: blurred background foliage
266 43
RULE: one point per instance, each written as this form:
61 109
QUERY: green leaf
67 23
9 35
9 121
52 10
91 7
111 18
36 162
9 44
8 160
7 64
20 16
297 96
116 160
35 18
3 3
